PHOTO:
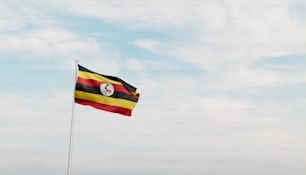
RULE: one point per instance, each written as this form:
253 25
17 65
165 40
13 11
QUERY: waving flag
105 92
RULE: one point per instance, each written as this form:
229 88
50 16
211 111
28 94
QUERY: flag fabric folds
105 92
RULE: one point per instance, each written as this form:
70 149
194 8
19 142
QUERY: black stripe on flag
95 90
125 84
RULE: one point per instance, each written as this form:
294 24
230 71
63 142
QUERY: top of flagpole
76 62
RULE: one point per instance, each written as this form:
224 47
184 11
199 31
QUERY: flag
105 92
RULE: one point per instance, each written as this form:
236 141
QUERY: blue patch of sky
30 26
120 39
118 36
165 67
29 76
282 63
118 31
19 75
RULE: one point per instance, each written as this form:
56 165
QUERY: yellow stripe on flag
105 100
88 75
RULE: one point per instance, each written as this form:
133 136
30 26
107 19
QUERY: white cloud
35 130
243 77
220 31
61 45
171 125
47 42
178 124
147 44
135 13
14 16
251 30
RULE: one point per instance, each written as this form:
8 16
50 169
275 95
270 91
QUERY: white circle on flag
107 89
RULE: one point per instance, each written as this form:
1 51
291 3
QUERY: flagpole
72 122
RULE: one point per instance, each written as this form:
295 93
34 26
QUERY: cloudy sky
222 86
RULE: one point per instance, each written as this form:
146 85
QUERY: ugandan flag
104 92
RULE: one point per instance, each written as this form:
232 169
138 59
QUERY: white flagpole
72 123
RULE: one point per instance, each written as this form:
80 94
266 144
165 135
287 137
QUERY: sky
221 83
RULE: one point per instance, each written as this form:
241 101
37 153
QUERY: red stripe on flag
104 107
95 83
89 82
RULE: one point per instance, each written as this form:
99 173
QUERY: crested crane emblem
107 89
